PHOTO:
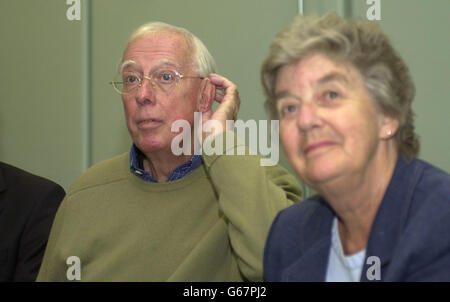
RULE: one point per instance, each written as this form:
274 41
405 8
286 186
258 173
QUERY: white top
343 268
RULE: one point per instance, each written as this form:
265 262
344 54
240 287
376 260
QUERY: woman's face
330 128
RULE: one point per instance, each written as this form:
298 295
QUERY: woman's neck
356 199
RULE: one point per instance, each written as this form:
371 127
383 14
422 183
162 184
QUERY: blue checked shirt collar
137 166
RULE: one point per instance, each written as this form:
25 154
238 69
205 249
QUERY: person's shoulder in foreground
409 236
28 204
105 172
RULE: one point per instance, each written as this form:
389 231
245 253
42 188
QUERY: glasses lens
129 81
118 86
165 79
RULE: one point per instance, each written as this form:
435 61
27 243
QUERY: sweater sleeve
250 196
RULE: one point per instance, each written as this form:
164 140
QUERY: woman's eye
288 110
332 95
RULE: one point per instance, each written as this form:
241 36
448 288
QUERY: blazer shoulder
434 181
430 191
304 222
301 214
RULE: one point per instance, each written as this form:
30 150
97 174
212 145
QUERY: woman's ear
206 98
389 127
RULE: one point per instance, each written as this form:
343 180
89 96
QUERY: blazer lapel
313 263
312 266
390 218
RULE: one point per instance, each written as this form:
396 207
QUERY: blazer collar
313 263
392 214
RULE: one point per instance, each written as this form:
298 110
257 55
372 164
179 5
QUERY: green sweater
210 225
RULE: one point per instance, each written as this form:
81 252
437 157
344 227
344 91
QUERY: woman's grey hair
202 60
363 45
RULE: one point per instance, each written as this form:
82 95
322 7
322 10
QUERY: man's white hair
202 60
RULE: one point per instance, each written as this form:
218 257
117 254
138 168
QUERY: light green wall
59 115
41 120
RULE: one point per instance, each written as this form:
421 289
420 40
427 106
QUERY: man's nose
146 91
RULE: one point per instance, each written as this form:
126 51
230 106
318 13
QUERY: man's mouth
149 123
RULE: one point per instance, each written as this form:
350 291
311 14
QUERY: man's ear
389 127
208 93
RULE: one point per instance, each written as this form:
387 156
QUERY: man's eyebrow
125 64
333 76
163 62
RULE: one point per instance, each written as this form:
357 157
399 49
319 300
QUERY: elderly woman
343 97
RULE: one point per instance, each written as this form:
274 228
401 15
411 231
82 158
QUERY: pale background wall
59 115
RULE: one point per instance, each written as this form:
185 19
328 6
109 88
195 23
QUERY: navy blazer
410 234
28 205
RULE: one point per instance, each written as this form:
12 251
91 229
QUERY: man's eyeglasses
129 81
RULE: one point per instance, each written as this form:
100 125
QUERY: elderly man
151 215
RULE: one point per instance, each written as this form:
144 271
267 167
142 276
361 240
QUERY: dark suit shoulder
28 204
14 177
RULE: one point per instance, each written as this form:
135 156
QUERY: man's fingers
219 96
224 88
227 95
220 81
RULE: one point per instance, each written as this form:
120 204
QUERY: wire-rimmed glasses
129 81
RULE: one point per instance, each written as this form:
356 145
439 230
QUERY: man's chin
152 146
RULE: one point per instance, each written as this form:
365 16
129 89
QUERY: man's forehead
133 64
158 41
166 48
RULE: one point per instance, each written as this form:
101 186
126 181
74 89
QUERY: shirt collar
137 166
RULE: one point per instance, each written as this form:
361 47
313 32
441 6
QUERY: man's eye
166 77
131 79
